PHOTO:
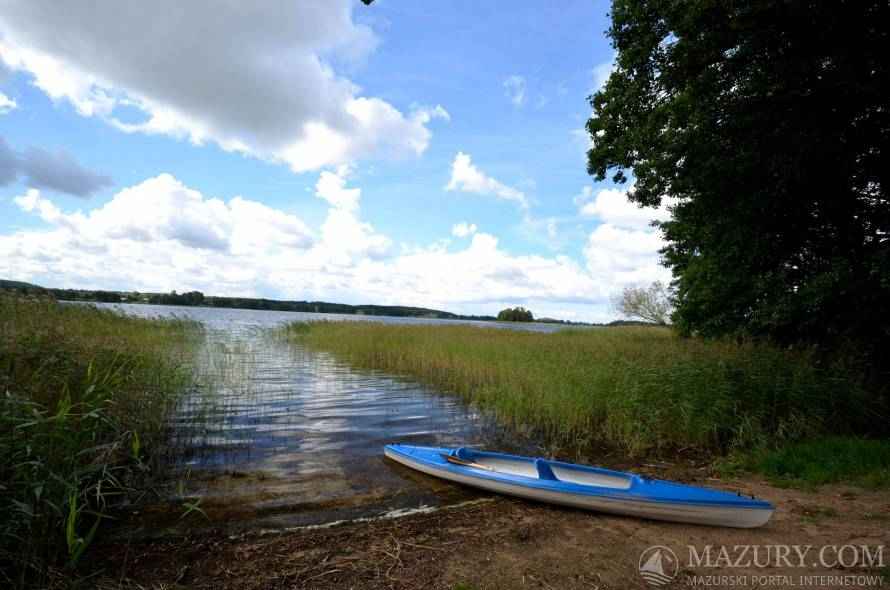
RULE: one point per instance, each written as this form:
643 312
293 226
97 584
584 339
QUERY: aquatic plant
640 389
84 398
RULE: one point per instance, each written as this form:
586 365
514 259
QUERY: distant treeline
197 298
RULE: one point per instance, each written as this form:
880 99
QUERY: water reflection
285 435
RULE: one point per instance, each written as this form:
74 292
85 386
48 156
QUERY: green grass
638 389
84 397
832 459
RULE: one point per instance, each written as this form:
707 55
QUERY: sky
403 153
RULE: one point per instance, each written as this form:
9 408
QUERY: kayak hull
613 492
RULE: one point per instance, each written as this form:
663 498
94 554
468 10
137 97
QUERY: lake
279 435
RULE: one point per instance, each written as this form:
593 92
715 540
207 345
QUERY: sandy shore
501 543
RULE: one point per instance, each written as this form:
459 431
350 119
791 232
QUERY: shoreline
497 544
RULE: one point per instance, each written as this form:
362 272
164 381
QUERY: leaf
135 444
84 543
194 507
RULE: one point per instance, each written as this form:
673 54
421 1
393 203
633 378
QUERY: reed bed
639 389
85 396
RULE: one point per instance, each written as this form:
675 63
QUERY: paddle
465 463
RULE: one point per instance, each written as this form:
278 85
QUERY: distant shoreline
198 299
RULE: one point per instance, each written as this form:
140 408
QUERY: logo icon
658 565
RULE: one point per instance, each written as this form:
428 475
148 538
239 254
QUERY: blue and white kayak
580 486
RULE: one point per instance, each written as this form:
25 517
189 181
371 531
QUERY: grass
642 390
84 398
833 459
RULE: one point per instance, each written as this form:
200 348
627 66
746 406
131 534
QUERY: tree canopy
765 125
651 304
515 314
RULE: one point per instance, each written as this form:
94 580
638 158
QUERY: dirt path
507 544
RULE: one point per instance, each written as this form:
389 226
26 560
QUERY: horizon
492 314
425 156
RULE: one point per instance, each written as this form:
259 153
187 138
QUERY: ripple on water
280 435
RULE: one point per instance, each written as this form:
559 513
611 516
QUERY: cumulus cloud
483 277
624 248
161 212
345 237
612 206
43 169
463 229
31 201
514 89
466 177
620 256
163 235
259 81
332 188
6 104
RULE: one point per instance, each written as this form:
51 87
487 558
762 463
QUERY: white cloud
463 229
345 238
258 81
31 201
332 188
161 212
6 104
624 248
163 235
514 89
437 112
487 277
619 256
467 178
612 206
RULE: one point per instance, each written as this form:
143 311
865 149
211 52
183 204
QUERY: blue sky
404 153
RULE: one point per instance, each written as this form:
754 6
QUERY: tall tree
767 124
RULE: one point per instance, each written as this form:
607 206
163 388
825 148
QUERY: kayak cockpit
543 470
590 476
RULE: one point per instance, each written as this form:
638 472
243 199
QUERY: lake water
279 435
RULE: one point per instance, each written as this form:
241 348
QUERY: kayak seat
464 453
544 471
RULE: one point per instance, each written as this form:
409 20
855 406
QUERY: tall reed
637 388
84 397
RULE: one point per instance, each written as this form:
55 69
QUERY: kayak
580 486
